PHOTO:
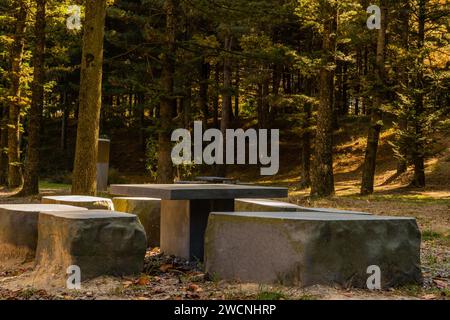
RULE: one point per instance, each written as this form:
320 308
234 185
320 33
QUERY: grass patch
411 198
267 294
429 235
438 238
419 292
52 185
412 290
447 240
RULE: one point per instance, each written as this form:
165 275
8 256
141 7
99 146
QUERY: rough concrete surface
312 248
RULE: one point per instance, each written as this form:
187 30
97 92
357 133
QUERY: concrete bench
261 205
19 229
305 249
265 205
87 202
149 212
99 242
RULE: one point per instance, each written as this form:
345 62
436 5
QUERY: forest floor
169 278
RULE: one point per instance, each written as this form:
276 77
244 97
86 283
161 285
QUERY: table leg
183 225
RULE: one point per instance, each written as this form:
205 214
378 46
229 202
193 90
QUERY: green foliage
267 294
276 51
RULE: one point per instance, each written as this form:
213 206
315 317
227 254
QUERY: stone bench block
149 212
92 203
264 205
19 228
332 210
99 242
305 249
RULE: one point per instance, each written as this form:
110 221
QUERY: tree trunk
236 97
345 106
187 105
31 178
227 87
338 104
64 123
4 146
305 166
84 179
365 73
168 104
141 121
322 172
216 97
259 105
225 122
402 165
14 165
368 176
203 92
418 153
359 79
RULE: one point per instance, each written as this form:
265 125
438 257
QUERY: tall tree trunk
141 121
84 179
404 78
225 122
418 152
260 105
187 105
364 100
359 79
345 106
64 123
236 97
338 104
17 48
227 86
322 182
31 178
368 177
216 96
305 166
4 146
203 91
168 104
263 109
277 76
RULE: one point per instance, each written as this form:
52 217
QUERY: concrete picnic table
185 209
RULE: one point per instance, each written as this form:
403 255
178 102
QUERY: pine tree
376 114
90 99
16 56
167 108
322 170
31 177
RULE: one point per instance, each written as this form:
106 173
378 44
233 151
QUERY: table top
198 191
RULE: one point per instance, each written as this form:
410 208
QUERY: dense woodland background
312 69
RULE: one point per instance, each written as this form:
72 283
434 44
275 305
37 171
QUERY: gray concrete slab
148 211
254 205
81 201
304 249
257 205
324 216
19 231
99 242
198 191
